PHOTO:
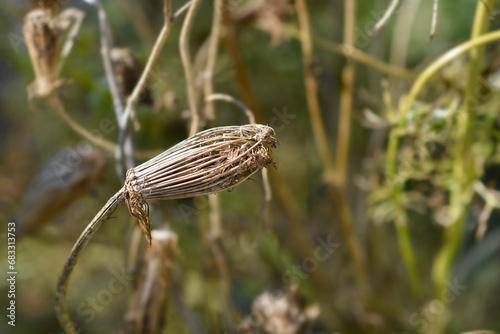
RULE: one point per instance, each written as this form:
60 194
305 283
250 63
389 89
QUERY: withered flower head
211 161
48 46
43 39
128 70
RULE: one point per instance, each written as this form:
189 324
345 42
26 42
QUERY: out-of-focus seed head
43 39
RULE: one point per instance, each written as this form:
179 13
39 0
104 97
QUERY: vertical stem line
346 95
188 68
336 192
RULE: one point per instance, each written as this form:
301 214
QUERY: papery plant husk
211 161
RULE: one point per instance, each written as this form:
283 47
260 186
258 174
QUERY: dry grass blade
211 161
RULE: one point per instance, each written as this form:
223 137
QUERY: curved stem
62 285
55 102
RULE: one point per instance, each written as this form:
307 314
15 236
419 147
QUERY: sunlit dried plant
49 41
211 161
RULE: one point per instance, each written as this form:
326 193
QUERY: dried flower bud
43 39
48 46
211 161
128 70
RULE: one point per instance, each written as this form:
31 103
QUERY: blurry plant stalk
211 161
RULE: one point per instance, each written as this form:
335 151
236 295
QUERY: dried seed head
211 161
43 39
128 70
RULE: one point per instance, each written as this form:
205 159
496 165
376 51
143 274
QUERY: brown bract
211 161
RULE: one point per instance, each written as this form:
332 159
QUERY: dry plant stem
147 309
186 63
464 169
230 99
321 140
346 96
70 41
212 57
351 52
55 103
231 43
283 192
141 84
385 17
62 285
106 45
435 9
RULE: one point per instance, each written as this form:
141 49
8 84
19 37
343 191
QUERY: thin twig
351 52
70 40
134 97
346 96
385 17
435 8
186 63
62 285
55 103
229 98
338 194
231 43
106 46
212 57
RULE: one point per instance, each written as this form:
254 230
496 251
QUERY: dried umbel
209 162
128 70
47 45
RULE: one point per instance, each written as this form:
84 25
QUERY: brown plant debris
211 161
48 47
279 312
128 71
146 313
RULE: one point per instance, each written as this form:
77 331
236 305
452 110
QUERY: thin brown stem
139 87
346 96
321 140
55 103
62 285
186 63
212 57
